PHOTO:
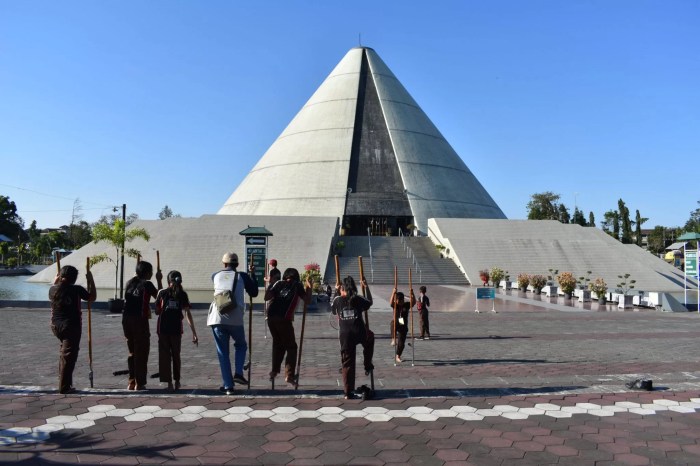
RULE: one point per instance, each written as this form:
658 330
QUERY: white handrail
371 259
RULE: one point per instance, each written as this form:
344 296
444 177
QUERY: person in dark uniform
401 308
423 305
171 303
66 320
285 297
348 306
138 293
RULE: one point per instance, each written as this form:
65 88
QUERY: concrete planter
625 301
584 296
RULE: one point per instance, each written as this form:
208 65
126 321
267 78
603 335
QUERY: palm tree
117 236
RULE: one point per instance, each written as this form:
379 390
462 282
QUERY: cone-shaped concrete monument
363 150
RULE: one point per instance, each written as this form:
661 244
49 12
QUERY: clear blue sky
173 102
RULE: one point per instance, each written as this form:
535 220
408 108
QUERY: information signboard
486 293
691 263
259 261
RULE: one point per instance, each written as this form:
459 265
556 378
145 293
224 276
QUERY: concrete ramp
535 246
194 246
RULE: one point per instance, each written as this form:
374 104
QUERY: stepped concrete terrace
535 246
417 253
535 383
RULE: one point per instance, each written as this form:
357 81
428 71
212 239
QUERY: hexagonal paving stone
235 418
330 410
239 410
191 417
338 417
192 409
171 413
58 420
119 412
138 417
101 408
285 410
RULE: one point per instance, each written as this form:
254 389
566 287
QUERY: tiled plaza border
334 414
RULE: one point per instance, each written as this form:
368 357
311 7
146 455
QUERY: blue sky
173 102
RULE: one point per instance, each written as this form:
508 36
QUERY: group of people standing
284 295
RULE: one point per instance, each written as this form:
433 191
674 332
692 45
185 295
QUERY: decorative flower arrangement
538 282
484 276
567 282
497 275
523 280
598 286
313 271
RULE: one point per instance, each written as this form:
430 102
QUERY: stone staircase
417 253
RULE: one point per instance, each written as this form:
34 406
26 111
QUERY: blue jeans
222 333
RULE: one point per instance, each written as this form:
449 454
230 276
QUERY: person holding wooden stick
137 311
348 306
66 320
399 325
285 297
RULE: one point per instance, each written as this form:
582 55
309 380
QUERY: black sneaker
238 378
226 391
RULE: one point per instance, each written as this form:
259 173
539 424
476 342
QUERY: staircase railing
371 259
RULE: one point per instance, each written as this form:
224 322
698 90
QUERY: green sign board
691 263
259 260
486 293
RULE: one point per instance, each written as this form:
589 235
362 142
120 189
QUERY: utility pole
121 282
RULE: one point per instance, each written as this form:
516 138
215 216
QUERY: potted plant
440 249
484 276
313 272
497 274
117 236
523 281
599 287
339 246
625 285
567 282
538 282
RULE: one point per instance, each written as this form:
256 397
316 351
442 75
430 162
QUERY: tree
543 206
564 216
693 223
167 212
11 224
657 242
591 219
638 221
80 234
578 218
117 236
626 225
611 223
110 219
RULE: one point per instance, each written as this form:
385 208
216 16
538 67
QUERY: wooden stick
362 280
267 281
413 338
58 262
250 329
89 313
393 334
301 346
337 271
157 260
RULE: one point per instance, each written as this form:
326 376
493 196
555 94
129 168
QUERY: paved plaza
538 382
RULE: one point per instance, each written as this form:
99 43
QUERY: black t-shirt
68 309
402 310
170 307
285 300
351 324
137 297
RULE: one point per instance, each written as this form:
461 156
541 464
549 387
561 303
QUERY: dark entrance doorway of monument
360 225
